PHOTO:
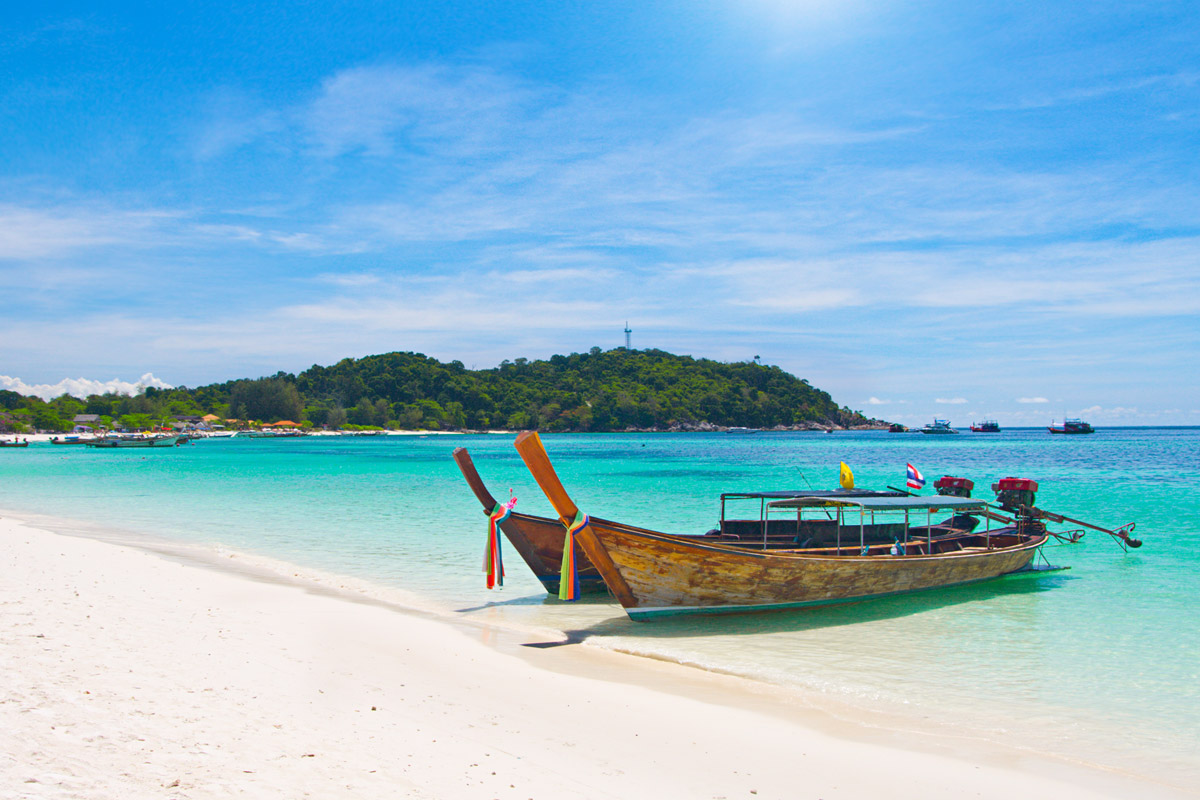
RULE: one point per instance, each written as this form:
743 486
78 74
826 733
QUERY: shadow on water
814 618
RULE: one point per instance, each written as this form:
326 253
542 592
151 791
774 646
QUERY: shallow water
1098 663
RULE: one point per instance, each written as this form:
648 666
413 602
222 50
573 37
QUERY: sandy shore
127 674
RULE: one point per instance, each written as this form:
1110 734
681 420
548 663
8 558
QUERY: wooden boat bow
533 453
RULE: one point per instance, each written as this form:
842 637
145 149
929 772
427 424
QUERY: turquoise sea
1099 663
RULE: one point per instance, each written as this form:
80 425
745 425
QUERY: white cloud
34 233
951 401
875 401
1032 400
350 279
231 119
81 387
374 109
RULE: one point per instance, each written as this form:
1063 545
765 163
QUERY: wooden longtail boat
539 540
654 574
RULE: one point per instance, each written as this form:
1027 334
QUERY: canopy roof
883 503
798 493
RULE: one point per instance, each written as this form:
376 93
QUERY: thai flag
915 479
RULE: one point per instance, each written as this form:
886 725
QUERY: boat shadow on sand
814 618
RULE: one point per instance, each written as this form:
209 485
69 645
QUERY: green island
599 391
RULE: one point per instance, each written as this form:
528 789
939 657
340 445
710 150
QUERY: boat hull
660 575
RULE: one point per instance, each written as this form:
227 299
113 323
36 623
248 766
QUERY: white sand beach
131 674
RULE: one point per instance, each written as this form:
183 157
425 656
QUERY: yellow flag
847 477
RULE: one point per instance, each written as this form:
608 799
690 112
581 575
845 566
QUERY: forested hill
595 391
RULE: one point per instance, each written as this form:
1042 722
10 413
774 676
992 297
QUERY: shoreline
748 733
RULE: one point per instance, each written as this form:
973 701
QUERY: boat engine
1012 493
954 487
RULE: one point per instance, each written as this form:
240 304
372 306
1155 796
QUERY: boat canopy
801 493
883 503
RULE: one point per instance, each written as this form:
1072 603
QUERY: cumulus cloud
951 401
1032 400
875 401
81 387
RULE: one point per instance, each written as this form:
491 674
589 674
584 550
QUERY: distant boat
74 439
135 441
1071 426
896 427
939 426
739 429
987 426
13 443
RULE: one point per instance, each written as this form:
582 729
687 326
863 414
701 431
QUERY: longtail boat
539 540
654 574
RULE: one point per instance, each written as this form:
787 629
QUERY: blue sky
931 208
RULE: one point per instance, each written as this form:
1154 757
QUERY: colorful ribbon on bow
493 561
568 578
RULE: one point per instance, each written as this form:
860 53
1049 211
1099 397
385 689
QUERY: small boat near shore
72 439
13 443
135 441
655 574
1071 427
987 426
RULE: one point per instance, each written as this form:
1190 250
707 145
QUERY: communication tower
627 332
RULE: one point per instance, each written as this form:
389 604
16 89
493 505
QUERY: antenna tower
627 332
